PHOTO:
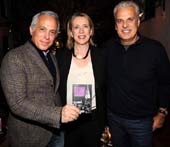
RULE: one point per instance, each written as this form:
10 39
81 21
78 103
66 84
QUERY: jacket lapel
57 72
36 57
94 65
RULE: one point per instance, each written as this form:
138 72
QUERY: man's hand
158 121
69 113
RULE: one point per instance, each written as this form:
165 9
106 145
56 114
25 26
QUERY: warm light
141 14
57 44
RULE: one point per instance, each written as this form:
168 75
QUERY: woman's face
81 31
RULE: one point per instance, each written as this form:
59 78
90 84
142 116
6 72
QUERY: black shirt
138 78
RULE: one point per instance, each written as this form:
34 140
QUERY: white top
80 83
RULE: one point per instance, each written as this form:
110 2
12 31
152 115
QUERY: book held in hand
82 97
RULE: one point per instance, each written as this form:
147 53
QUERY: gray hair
124 4
49 13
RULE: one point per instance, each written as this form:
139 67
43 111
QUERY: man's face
44 33
126 25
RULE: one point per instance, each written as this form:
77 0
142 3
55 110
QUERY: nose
81 30
47 35
125 24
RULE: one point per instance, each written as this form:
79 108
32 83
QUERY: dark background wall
16 15
158 26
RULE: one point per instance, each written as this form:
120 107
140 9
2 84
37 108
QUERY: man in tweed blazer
30 84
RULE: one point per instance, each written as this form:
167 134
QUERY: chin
43 49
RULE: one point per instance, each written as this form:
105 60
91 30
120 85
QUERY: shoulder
64 56
96 51
63 52
108 43
14 54
153 47
152 43
12 61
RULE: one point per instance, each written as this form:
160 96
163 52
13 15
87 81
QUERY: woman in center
83 83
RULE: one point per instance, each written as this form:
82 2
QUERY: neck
81 52
126 43
81 48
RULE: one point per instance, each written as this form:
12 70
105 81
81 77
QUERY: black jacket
64 57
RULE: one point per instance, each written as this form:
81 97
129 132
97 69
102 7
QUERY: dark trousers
83 132
130 133
57 140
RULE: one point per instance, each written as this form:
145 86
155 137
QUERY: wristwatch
164 112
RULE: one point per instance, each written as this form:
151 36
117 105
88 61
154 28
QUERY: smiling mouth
82 37
125 31
45 43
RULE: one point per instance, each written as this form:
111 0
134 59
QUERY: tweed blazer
31 95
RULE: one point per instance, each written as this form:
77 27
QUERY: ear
71 34
115 27
138 22
31 31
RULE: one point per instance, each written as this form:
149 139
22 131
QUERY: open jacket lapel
36 57
57 71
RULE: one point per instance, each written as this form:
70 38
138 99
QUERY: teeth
81 37
126 31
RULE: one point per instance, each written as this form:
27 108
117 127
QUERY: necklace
80 57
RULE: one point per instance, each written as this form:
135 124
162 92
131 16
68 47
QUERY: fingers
69 113
158 121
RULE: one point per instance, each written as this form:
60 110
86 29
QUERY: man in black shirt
138 72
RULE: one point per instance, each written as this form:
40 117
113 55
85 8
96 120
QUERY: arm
26 103
21 102
164 86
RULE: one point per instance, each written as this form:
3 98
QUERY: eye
42 29
86 26
119 21
131 19
75 27
53 32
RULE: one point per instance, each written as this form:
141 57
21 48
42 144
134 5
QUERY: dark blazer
31 95
64 57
